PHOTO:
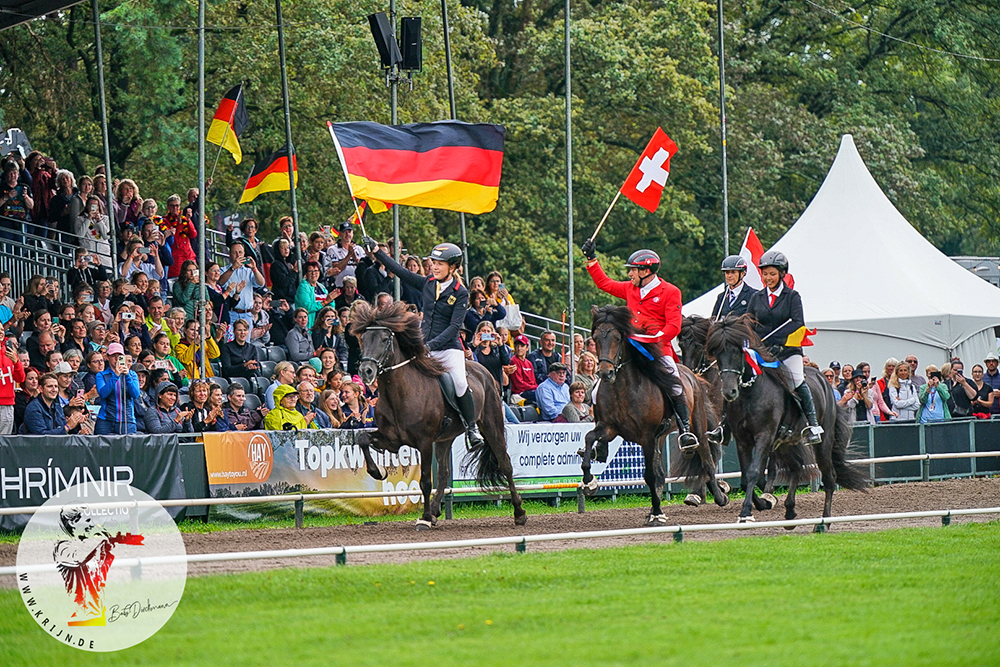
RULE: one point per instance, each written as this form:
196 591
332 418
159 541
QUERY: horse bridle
384 354
741 372
617 362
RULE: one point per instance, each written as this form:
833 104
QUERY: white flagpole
347 177
606 213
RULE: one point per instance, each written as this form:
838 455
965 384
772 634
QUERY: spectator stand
31 255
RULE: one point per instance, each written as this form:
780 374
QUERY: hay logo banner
242 463
79 571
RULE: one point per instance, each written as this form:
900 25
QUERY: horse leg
709 465
365 441
427 519
766 500
653 474
599 433
793 485
829 484
443 455
753 474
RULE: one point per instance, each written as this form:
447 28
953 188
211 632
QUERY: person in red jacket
656 314
11 371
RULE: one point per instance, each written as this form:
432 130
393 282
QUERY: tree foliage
799 75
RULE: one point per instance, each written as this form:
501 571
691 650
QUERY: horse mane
406 325
620 317
738 331
694 328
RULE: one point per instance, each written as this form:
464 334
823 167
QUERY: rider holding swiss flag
656 313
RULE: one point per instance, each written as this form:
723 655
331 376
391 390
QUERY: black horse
766 419
411 409
630 403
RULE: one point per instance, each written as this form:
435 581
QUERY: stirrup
716 435
813 435
687 440
474 438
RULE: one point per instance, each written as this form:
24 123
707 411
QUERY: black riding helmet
643 259
776 259
734 263
447 252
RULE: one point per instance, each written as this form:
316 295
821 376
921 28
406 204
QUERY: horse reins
741 372
383 355
617 362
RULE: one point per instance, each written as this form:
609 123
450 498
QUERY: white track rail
520 541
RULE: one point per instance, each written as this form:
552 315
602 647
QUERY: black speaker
388 50
413 46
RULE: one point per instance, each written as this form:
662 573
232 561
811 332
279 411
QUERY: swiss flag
645 183
752 251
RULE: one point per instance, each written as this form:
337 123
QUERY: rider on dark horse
656 313
778 311
446 300
736 298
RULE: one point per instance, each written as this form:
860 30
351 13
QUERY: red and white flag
645 183
752 251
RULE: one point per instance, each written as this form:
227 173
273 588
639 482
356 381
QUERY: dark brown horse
411 410
630 404
766 420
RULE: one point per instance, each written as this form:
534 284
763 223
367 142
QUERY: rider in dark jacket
736 298
446 301
778 310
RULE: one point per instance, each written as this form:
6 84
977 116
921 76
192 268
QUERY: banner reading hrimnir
33 468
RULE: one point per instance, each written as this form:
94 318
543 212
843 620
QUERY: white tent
900 295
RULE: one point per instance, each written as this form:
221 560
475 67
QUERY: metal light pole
569 191
394 120
288 131
202 296
104 133
722 126
454 116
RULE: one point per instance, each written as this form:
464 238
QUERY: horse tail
490 473
849 475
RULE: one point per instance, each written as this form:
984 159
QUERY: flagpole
225 133
347 176
571 298
606 213
454 116
203 296
722 131
288 131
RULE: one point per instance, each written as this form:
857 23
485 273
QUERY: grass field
926 596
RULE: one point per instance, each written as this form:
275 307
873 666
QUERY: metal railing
30 254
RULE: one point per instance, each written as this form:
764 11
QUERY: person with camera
243 274
487 350
44 414
152 237
138 259
962 391
129 322
480 311
118 387
934 398
86 269
15 204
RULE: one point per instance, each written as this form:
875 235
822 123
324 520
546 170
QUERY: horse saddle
448 391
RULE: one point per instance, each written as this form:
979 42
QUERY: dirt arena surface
948 494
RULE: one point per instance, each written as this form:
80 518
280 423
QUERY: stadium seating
276 354
267 369
243 382
222 382
253 402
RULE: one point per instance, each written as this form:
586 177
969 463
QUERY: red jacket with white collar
656 308
10 372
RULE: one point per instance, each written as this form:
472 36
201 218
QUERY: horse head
376 330
611 326
725 342
694 331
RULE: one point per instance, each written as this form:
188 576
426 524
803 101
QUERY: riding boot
813 432
467 411
686 439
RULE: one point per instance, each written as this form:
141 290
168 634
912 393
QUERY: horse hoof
589 488
378 473
656 520
724 486
746 519
520 520
770 500
722 500
692 500
423 525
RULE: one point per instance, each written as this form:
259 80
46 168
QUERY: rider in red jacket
656 313
11 372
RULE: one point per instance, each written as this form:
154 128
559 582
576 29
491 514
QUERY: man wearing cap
991 378
835 367
553 394
118 387
656 314
342 258
165 416
734 300
522 378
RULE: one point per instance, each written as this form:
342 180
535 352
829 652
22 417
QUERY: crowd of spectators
900 393
122 351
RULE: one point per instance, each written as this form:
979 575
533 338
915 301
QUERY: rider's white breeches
454 362
793 365
671 367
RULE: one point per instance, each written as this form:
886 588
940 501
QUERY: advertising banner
264 463
545 453
34 468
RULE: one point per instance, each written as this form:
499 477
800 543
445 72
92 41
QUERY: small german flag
449 165
270 175
229 122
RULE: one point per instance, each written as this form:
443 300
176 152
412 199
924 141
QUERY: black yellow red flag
229 122
270 175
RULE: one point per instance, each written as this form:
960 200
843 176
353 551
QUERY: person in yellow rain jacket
188 349
285 417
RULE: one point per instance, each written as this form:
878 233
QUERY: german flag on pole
270 175
448 164
229 122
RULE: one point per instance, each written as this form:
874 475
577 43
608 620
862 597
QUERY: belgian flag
229 122
449 165
270 175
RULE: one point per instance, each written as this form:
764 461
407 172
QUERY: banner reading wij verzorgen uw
264 463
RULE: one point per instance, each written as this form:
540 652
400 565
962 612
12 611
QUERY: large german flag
229 122
449 164
270 175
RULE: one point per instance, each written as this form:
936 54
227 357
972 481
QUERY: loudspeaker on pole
388 49
413 46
